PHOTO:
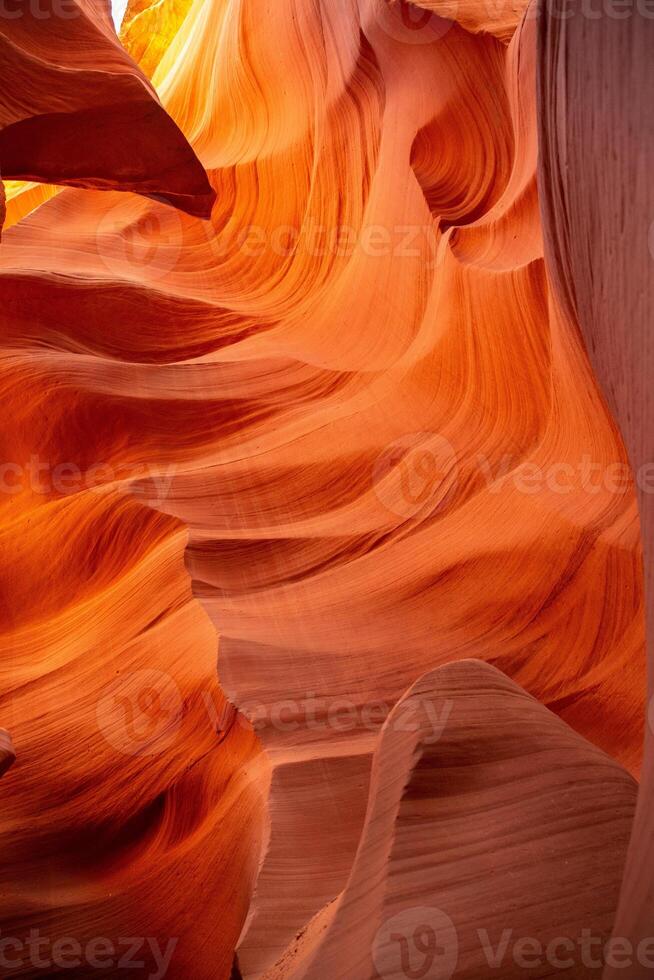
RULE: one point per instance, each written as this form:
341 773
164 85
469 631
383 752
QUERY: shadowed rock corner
7 752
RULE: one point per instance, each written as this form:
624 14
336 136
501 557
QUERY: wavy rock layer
466 733
74 109
351 389
124 813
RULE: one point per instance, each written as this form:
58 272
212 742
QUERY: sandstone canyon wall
322 594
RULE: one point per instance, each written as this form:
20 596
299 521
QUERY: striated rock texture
7 753
474 801
337 436
595 84
74 108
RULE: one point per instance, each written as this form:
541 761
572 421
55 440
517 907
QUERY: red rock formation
485 812
597 142
74 109
346 418
7 754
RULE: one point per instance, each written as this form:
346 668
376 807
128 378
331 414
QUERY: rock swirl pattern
323 604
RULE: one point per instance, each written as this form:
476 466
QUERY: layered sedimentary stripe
75 109
597 152
459 828
351 388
